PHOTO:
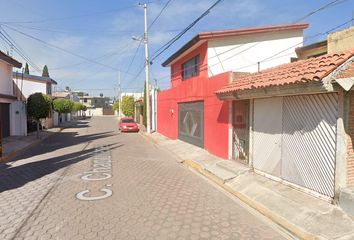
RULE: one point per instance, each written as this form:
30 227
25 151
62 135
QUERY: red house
189 110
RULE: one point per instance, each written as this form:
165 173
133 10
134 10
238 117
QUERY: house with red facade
190 111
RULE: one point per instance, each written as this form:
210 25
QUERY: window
190 68
85 100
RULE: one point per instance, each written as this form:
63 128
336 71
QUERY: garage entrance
191 123
295 139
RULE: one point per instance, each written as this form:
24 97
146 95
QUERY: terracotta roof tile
313 69
349 72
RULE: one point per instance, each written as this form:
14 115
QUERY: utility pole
147 72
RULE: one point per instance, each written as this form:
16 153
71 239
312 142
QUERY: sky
88 44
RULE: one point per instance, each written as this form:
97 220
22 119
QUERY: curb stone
301 233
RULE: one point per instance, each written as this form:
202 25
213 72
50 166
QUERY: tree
128 106
38 107
101 94
62 105
116 106
79 107
45 72
27 69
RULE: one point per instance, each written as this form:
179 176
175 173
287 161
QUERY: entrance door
191 123
240 122
5 119
267 135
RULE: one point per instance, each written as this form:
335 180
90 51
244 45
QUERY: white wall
30 87
241 53
55 119
18 119
6 86
94 112
135 95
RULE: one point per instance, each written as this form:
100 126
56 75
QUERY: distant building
29 84
336 42
94 102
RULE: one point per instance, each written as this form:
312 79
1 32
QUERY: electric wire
179 35
7 38
71 17
159 14
65 50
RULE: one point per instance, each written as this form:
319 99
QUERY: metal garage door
309 141
191 123
267 135
5 119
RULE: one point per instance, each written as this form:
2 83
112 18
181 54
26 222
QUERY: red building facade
196 89
190 110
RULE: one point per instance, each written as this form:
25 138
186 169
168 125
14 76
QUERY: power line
179 35
110 54
7 38
159 14
64 50
302 18
272 57
68 30
70 17
330 4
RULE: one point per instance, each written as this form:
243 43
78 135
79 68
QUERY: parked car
128 124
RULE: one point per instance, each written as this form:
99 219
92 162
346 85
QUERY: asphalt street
92 182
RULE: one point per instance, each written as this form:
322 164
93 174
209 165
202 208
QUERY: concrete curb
255 205
14 153
297 231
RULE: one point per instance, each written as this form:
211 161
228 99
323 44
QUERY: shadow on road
28 169
15 177
62 140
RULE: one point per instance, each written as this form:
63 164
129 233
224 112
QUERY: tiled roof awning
313 69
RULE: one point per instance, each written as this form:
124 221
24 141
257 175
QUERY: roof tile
313 69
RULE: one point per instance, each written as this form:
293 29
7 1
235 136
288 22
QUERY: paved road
91 182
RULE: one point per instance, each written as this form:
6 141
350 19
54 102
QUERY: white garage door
309 141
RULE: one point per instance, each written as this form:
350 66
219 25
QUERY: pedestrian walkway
304 215
92 182
14 145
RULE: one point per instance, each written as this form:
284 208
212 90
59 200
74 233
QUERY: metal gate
267 135
309 141
240 136
191 123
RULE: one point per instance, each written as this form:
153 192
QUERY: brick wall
350 132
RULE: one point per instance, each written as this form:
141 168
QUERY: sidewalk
14 145
303 215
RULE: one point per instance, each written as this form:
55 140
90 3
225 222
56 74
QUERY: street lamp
147 65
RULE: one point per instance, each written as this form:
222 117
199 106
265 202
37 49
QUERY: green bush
38 106
116 106
128 105
63 105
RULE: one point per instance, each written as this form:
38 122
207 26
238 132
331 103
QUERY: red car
128 124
